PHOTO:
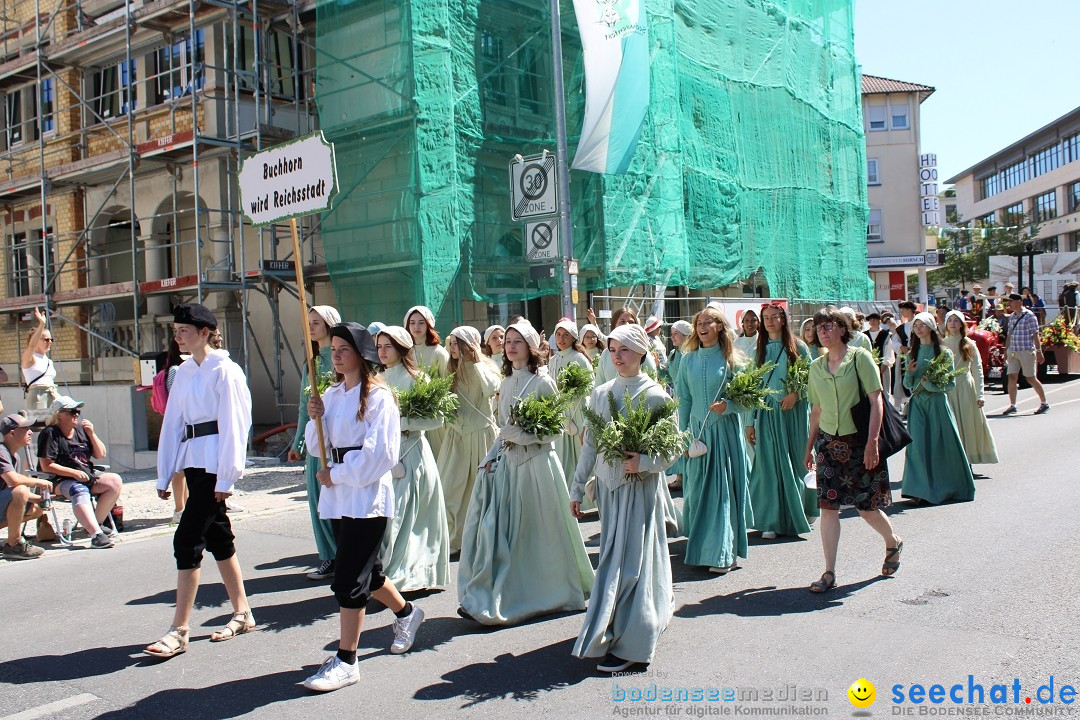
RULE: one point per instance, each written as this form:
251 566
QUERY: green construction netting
752 154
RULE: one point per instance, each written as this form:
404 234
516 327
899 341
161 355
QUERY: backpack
159 394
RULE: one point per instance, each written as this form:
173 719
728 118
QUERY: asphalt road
988 589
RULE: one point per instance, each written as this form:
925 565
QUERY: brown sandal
889 567
172 643
822 585
241 623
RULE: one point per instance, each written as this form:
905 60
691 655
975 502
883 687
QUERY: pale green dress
778 496
415 551
325 540
468 440
438 358
716 506
521 552
936 468
568 444
964 400
632 599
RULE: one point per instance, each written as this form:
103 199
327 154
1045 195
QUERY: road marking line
53 707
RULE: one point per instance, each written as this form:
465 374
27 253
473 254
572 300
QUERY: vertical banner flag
615 41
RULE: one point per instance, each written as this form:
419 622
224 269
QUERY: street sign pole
566 236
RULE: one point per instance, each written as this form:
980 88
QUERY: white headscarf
468 335
595 331
329 314
682 326
570 327
424 313
926 319
532 338
632 336
958 315
490 330
400 335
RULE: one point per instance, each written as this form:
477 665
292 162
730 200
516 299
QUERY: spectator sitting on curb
17 503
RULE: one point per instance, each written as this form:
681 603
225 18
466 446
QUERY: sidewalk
263 490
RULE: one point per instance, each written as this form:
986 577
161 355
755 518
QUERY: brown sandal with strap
889 567
241 623
822 585
172 643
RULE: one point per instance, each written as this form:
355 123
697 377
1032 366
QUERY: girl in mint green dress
568 352
716 507
320 319
778 496
936 469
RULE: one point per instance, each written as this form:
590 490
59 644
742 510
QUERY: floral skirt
842 479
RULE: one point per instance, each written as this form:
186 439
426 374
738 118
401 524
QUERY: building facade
123 127
897 244
1035 180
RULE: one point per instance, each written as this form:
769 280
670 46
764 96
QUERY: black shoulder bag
894 436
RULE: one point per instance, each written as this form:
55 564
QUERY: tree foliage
969 246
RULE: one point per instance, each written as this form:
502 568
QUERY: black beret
194 314
357 335
1016 296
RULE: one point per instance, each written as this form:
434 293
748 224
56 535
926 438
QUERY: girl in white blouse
363 432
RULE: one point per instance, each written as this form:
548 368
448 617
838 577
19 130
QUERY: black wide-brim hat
194 314
357 335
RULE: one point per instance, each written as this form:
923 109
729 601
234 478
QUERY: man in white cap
17 497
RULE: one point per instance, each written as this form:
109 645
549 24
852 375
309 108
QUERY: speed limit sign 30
533 184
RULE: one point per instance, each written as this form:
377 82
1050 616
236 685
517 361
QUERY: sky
1002 68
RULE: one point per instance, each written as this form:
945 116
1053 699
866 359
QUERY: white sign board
542 241
896 261
290 180
928 190
532 187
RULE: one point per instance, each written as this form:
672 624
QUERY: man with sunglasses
67 448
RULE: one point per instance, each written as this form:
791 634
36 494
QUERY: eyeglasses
827 327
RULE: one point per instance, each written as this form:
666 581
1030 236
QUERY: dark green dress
778 496
935 466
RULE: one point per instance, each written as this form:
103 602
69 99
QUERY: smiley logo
862 693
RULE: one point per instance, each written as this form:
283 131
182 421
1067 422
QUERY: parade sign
290 180
532 187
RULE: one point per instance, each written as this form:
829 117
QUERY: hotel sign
928 190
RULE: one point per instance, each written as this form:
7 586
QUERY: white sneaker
768 535
405 631
176 517
333 675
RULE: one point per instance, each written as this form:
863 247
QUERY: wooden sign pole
312 376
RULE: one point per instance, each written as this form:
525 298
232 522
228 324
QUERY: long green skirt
415 550
778 495
521 552
935 467
461 455
632 598
325 540
716 508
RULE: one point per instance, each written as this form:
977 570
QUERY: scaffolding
106 104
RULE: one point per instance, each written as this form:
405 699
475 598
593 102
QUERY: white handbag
590 489
696 449
398 471
571 428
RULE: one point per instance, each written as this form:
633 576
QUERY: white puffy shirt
363 486
216 390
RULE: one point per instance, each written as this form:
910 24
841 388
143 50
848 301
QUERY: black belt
337 455
200 430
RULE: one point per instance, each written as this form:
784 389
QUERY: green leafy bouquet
323 378
575 382
430 398
940 372
540 416
747 388
798 376
596 361
637 429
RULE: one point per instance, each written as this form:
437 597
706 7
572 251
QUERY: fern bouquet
430 398
323 378
540 416
798 376
636 429
747 388
574 382
940 372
